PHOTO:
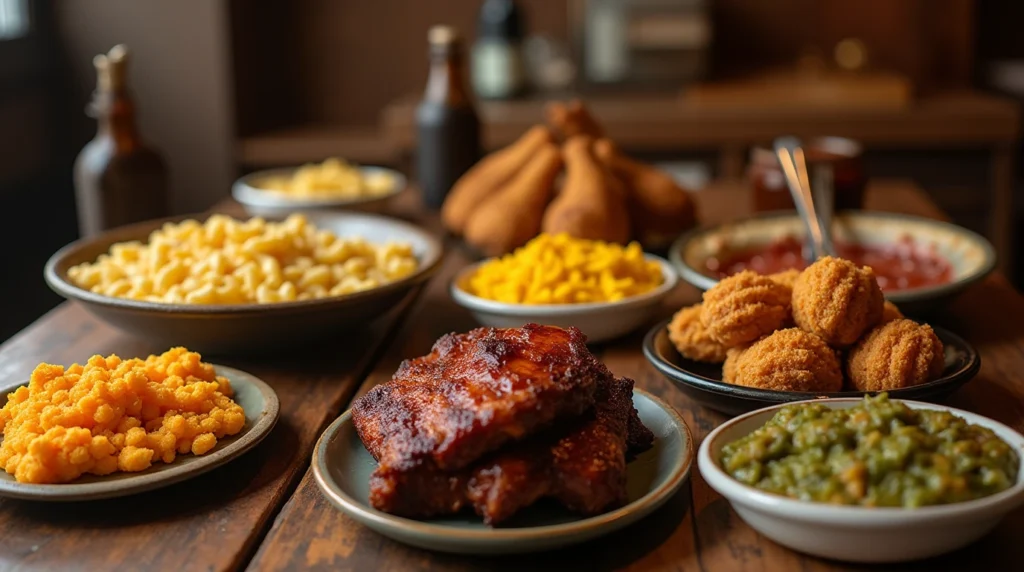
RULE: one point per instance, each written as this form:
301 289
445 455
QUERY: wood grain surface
697 530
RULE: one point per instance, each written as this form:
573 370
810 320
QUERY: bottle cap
442 36
112 68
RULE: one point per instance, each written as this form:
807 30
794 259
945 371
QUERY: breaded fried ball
690 337
729 366
787 277
789 360
837 300
890 312
901 353
744 307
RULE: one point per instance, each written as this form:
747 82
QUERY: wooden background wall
309 61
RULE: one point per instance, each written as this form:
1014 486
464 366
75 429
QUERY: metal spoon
817 218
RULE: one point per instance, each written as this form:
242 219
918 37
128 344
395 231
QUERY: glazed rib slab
470 395
581 464
582 467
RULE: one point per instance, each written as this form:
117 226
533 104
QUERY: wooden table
668 123
264 512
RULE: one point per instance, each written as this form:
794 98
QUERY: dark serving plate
703 383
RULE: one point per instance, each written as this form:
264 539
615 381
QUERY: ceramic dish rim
130 485
649 501
825 513
62 285
678 375
670 279
702 281
245 192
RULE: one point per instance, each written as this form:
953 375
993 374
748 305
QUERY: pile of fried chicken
802 331
512 195
494 420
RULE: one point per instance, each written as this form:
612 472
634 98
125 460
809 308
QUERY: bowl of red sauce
918 262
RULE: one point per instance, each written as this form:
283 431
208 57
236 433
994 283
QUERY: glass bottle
498 52
118 178
447 127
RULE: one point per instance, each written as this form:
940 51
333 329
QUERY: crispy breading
729 366
787 277
691 338
744 307
890 312
788 360
837 300
897 354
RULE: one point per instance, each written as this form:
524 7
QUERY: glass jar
834 162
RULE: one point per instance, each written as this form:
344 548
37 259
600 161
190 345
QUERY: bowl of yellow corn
606 290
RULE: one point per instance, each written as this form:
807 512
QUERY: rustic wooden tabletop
264 511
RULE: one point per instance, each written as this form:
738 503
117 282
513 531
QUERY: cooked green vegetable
877 453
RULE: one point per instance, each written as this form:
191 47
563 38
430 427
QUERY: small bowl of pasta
332 184
606 290
221 285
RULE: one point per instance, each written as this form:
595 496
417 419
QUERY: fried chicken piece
890 312
788 360
787 277
470 395
897 354
837 300
691 338
572 119
744 307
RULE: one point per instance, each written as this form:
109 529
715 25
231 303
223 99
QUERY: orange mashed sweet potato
114 415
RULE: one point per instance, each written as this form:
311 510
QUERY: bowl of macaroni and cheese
332 184
606 290
221 285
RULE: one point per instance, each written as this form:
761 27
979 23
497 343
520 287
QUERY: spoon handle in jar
794 167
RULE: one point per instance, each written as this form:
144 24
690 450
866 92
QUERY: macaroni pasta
224 261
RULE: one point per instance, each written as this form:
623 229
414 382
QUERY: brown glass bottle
118 179
447 127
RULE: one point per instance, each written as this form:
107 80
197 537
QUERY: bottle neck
115 118
446 83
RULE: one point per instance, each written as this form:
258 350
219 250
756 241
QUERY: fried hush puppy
729 366
787 360
837 300
744 307
787 277
900 353
691 338
890 312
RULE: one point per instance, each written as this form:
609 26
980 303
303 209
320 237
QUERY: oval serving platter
261 408
342 467
703 383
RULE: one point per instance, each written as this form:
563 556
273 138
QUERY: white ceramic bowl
259 201
853 533
970 255
600 321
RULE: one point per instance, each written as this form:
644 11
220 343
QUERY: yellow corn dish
224 261
114 415
560 269
334 178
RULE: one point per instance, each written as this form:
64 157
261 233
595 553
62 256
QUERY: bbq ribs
441 428
470 395
582 466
